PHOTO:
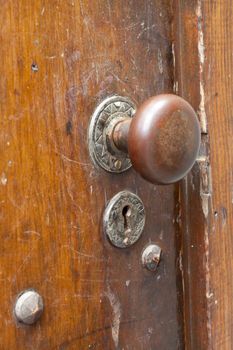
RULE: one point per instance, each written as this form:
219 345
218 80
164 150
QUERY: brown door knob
162 139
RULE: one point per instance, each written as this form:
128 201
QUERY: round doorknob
161 139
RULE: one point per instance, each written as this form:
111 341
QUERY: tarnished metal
101 146
164 139
124 219
161 141
28 307
151 257
120 134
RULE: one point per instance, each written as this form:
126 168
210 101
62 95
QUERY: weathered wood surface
58 60
204 71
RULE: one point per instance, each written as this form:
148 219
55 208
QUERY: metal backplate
124 219
108 110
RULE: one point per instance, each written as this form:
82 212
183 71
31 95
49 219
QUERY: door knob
161 139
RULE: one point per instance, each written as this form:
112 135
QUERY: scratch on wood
205 186
83 255
209 295
116 308
175 83
206 199
73 57
127 283
148 28
50 57
72 160
32 232
201 54
105 196
3 179
160 61
24 263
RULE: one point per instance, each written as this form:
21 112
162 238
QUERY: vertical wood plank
204 60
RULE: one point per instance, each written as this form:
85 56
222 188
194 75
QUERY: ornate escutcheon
124 219
160 140
101 148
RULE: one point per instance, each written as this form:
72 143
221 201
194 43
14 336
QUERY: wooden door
59 60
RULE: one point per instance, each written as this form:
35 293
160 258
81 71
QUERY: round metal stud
28 307
151 257
102 153
124 219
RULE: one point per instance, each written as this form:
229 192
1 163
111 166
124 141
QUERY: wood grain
204 71
58 60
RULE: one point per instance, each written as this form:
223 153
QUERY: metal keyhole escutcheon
124 219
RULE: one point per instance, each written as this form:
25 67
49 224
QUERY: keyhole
126 212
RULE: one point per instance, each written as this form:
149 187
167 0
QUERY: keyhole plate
124 219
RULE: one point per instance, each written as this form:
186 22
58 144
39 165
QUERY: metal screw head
151 257
28 307
118 164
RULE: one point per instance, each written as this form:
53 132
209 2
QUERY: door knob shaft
161 139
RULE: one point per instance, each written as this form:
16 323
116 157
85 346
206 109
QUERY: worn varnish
58 60
203 29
